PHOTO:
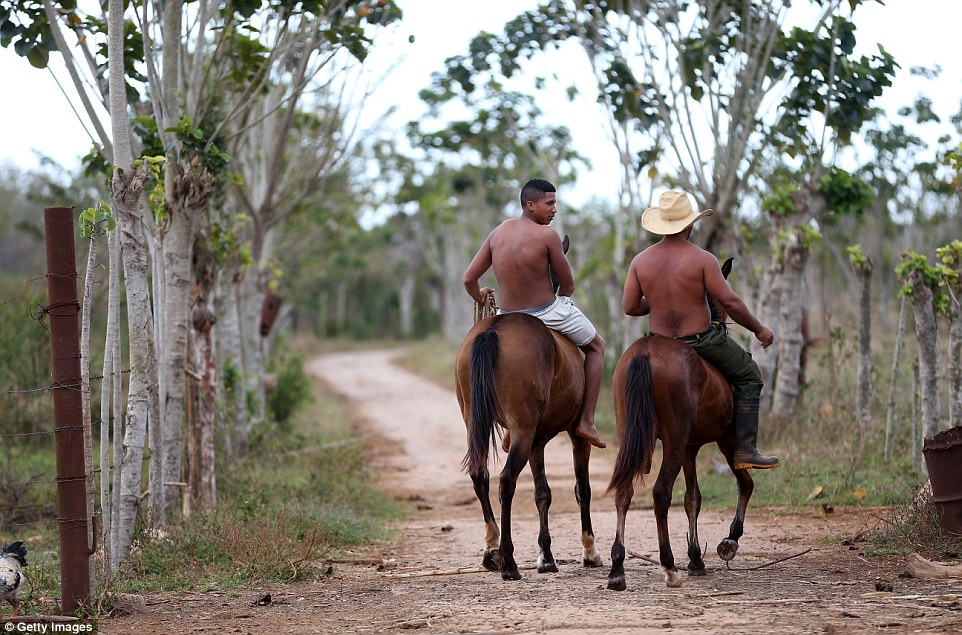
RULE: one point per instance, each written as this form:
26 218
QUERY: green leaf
38 57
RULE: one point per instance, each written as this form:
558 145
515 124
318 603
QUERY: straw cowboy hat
673 214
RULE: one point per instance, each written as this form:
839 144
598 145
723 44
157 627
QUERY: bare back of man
521 251
671 275
669 282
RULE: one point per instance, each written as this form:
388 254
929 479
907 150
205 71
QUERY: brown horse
512 372
663 389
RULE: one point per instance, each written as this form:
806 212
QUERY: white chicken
13 558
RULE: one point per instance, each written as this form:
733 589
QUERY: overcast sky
37 117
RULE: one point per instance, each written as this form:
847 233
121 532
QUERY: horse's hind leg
616 577
542 498
582 452
728 547
696 565
661 496
492 558
513 464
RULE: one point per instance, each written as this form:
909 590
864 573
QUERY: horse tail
484 403
638 435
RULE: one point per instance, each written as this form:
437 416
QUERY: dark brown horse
664 390
512 372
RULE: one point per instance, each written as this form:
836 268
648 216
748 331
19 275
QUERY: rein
484 311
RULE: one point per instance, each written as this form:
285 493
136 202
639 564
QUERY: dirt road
414 432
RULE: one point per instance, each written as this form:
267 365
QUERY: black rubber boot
745 420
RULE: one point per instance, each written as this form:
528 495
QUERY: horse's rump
510 369
663 389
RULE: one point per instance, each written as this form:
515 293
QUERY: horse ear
565 243
726 268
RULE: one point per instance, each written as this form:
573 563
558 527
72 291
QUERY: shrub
293 389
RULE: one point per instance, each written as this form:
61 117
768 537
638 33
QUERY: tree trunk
456 307
863 270
188 192
251 300
127 187
790 341
927 334
917 461
955 359
202 484
768 314
177 269
156 514
899 339
110 409
230 363
85 395
405 294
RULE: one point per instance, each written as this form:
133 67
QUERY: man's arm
719 290
481 263
559 262
633 300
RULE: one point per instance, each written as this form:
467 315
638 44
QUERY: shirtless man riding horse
521 251
670 281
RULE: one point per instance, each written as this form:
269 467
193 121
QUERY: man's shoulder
513 230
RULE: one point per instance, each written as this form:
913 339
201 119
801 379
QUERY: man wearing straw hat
670 282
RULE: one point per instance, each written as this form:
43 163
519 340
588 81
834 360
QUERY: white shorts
563 316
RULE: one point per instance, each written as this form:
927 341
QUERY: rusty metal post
64 312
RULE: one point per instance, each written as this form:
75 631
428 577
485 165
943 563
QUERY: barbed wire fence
43 475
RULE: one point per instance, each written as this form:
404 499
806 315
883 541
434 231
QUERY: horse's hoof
617 583
593 562
697 571
673 578
727 549
547 567
511 575
491 561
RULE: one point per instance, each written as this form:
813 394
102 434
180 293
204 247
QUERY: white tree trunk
768 313
456 306
864 394
230 362
156 513
177 248
142 395
251 301
899 339
927 334
790 340
955 360
406 289
127 187
85 396
111 410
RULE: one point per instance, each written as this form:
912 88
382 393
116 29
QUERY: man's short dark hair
534 190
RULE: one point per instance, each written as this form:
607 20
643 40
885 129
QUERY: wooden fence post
64 310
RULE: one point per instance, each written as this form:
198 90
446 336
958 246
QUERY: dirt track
415 434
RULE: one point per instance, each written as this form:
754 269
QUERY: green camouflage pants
736 364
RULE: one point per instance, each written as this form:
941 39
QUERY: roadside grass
913 526
292 501
301 494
